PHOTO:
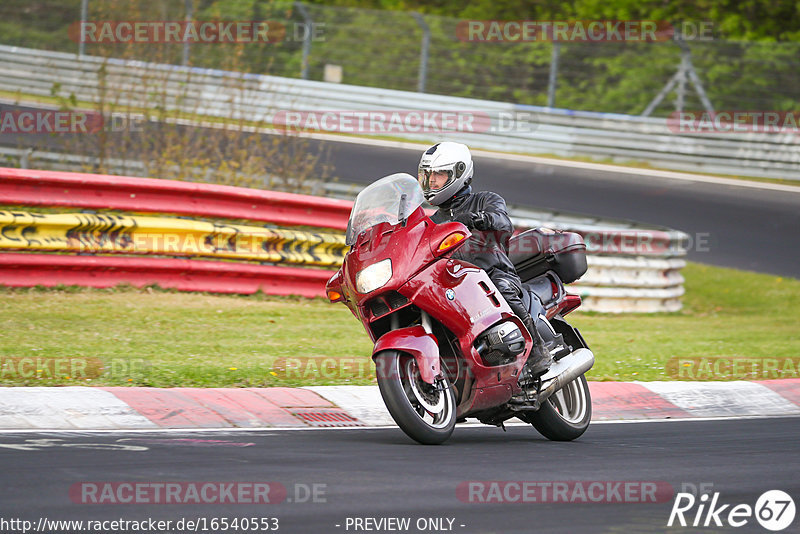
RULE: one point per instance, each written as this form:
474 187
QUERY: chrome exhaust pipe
565 371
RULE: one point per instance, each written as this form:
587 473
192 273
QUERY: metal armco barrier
27 270
631 269
632 285
504 126
104 233
28 187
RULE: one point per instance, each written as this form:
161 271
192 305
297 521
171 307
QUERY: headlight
374 276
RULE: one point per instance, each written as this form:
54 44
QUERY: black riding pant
511 288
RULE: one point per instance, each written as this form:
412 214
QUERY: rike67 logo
774 510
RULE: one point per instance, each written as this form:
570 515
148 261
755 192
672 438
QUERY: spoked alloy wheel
566 414
571 402
425 412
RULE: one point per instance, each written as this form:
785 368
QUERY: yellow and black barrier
112 233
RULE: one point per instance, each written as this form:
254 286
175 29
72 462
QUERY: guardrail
124 234
28 270
527 129
631 269
151 195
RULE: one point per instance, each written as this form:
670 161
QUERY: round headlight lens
374 276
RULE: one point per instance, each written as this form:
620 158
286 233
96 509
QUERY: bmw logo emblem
450 294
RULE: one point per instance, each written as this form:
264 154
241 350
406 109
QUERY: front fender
415 341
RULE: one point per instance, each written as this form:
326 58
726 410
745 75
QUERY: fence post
551 84
186 44
25 157
682 78
422 77
309 22
84 16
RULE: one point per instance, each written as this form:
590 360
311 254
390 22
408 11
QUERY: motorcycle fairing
420 344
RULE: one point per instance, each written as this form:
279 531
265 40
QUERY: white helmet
449 157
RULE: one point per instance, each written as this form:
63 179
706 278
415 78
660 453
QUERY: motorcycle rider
445 174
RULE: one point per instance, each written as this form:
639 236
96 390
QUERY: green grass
727 313
160 338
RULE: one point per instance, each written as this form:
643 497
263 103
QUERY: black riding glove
476 220
465 219
480 221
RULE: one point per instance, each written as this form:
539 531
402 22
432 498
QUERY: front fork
425 319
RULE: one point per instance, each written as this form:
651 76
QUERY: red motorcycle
447 346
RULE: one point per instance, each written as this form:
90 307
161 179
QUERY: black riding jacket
488 249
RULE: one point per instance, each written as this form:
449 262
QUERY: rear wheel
566 414
425 412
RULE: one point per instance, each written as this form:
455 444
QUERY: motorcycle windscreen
388 200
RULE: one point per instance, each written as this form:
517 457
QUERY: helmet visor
435 179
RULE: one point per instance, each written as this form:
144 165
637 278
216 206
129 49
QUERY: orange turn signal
451 241
334 296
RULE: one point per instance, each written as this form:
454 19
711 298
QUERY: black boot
540 359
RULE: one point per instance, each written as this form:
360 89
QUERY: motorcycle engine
500 344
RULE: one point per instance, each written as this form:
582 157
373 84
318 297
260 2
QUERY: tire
425 414
565 416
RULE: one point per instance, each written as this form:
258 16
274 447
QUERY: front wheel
425 412
565 415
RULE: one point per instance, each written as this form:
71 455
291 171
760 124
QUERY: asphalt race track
379 473
746 228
